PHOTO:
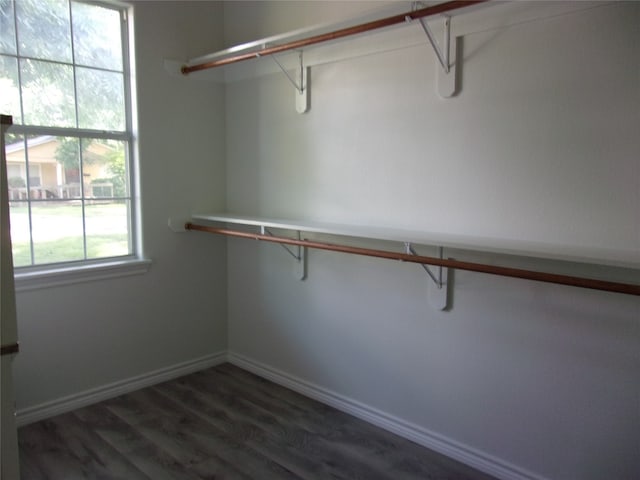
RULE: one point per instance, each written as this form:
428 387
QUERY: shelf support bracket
444 53
300 83
299 254
446 75
438 290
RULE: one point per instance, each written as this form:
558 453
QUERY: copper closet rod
325 37
9 349
627 288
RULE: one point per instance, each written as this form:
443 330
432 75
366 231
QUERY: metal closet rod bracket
446 84
437 292
436 277
444 53
301 82
300 255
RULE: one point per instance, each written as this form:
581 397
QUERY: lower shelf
264 235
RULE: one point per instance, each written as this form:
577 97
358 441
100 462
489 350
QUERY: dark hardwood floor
222 423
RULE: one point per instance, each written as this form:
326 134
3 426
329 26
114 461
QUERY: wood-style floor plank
222 423
62 447
360 437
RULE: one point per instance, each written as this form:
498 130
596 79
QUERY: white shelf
482 17
597 256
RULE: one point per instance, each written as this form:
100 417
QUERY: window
64 78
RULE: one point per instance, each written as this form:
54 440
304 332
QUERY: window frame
67 272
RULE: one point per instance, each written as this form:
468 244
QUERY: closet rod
626 288
344 32
9 349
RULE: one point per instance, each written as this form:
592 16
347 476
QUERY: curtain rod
345 32
582 282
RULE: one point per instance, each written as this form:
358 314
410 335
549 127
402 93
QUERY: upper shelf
402 32
326 33
596 256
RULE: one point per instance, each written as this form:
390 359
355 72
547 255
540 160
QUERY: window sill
67 275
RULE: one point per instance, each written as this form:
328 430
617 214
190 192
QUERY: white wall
80 337
523 379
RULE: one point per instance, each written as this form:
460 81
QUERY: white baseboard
462 453
88 397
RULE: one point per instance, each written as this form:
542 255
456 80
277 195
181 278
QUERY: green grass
65 217
68 249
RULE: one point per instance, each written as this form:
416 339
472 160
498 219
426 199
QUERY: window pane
47 94
20 238
104 167
57 231
100 99
96 36
52 163
18 207
7 28
9 91
107 226
16 168
44 29
67 156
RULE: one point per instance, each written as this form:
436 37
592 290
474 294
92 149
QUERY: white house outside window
64 78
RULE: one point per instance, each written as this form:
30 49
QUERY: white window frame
64 273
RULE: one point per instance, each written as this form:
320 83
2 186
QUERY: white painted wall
80 337
523 379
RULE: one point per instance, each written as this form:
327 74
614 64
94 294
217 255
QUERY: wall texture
523 379
80 337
